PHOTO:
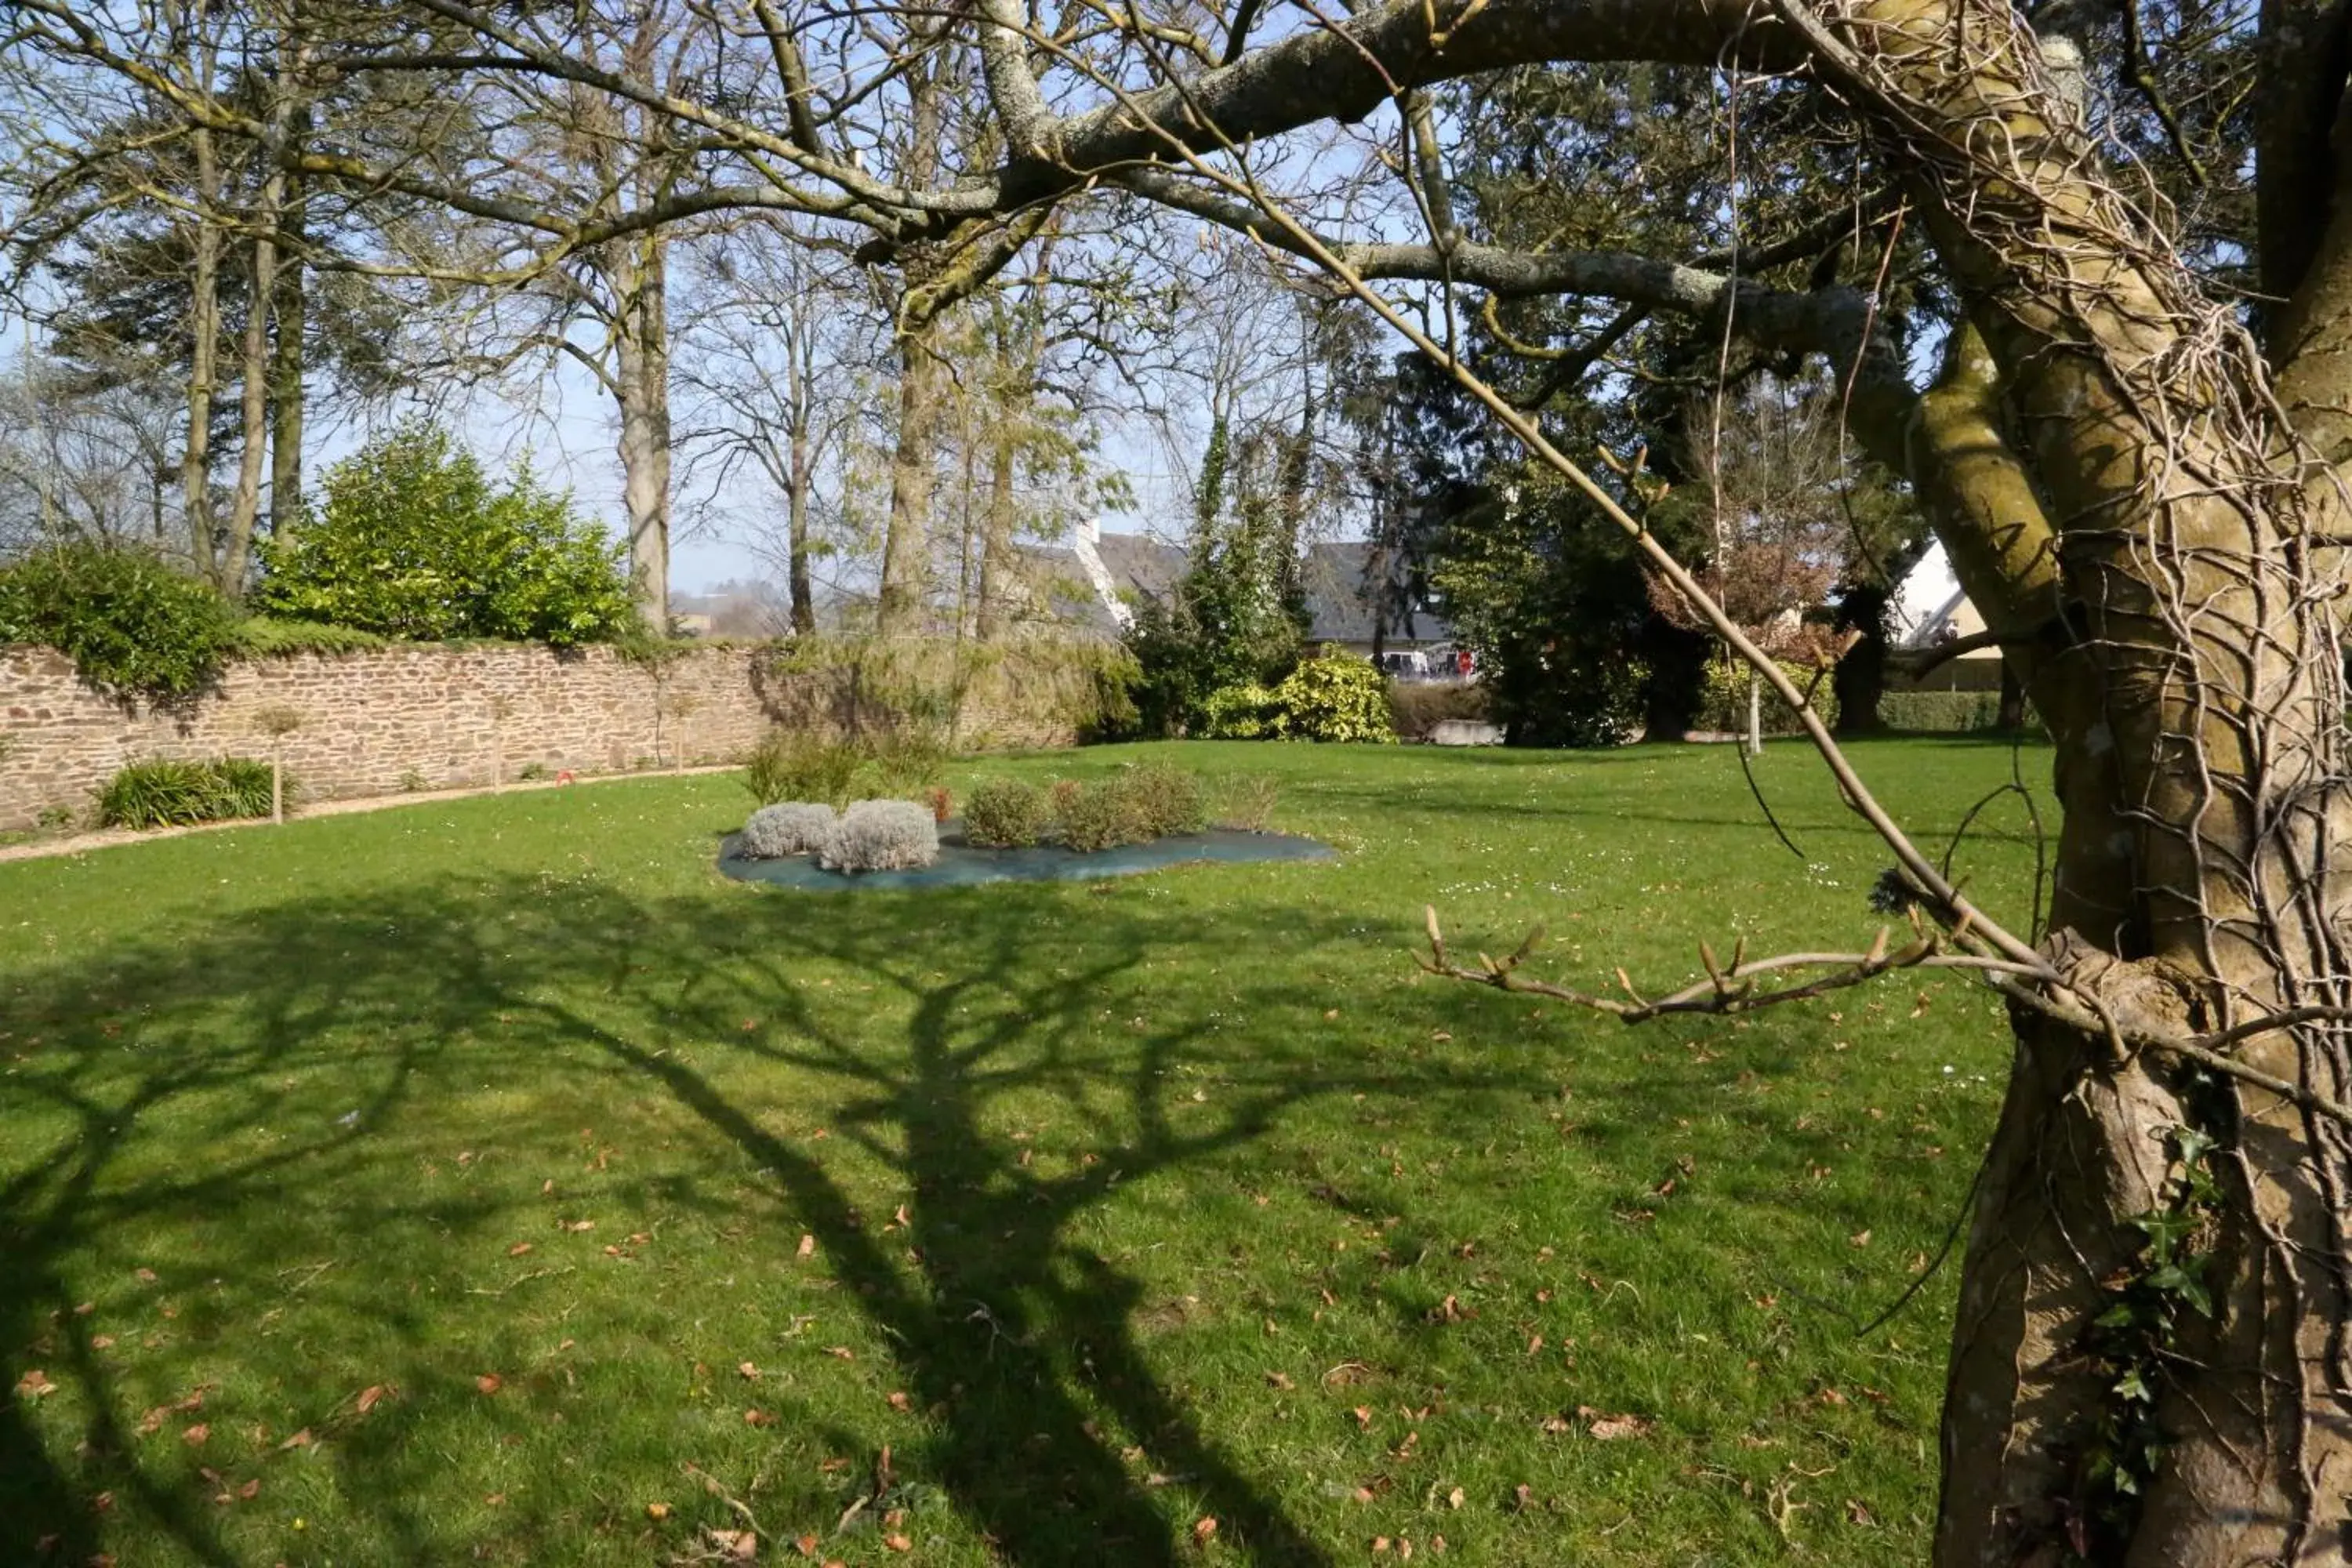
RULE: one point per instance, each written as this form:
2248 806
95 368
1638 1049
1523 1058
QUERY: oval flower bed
1136 820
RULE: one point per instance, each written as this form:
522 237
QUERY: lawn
491 1181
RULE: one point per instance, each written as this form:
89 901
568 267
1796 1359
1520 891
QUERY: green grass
1102 1209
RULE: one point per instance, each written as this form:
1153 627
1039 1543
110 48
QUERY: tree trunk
804 475
907 545
1859 679
997 573
254 367
2175 634
195 462
1754 741
641 386
289 394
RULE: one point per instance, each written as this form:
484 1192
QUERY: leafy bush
1091 817
794 828
881 836
1418 707
167 793
1160 800
1335 696
412 539
796 765
1245 801
1005 814
1722 704
1243 712
129 621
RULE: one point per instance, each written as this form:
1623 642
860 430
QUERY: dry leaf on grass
1608 1429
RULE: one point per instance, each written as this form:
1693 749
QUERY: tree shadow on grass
269 1082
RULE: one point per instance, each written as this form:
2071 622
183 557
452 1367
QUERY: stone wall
387 720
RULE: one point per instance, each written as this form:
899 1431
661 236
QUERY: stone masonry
385 720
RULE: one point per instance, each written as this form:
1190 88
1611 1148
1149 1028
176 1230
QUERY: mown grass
1100 1210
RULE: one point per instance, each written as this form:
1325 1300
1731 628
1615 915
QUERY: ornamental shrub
412 539
1243 712
1160 800
1418 707
881 836
1335 696
1093 818
168 794
1245 801
1004 813
127 620
794 828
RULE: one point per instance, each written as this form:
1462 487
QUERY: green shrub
1723 703
127 620
412 539
1244 712
167 793
1245 801
796 765
1335 696
1005 814
1091 817
1943 712
1160 800
1418 707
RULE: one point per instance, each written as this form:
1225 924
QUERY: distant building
1928 608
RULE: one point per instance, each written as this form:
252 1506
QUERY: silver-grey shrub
881 836
794 828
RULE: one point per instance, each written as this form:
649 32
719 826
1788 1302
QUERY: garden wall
430 717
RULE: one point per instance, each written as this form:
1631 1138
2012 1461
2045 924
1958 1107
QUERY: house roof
1137 566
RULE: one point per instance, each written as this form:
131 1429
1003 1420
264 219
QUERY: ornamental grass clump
881 836
1005 814
793 827
169 794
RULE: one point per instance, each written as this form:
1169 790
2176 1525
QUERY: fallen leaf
842 1352
658 1512
807 1544
35 1385
576 1226
152 1422
85 1308
489 1382
369 1396
194 1436
901 1402
146 1277
733 1545
807 1247
750 1372
518 1250
102 1341
758 1418
1857 1514
1859 1238
1454 1498
301 1439
251 1490
898 1543
1608 1429
1522 1496
1203 1528
1279 1380
1363 1414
